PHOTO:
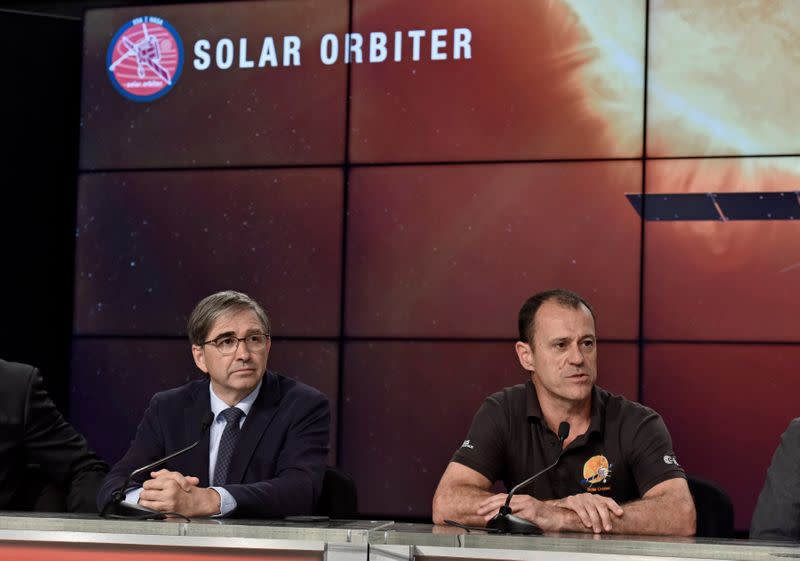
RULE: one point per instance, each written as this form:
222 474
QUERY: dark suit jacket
777 514
279 461
33 433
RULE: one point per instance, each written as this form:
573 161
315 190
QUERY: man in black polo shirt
617 471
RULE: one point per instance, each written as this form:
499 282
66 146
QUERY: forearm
205 502
657 516
60 451
665 509
82 492
564 520
119 475
294 492
459 503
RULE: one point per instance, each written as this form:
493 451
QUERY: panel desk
423 542
68 537
72 537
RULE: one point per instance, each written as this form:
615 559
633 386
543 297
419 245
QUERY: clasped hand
596 512
171 491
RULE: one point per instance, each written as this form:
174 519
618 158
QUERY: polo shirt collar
597 414
533 409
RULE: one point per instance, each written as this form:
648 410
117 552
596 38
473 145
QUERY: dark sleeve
652 459
62 454
777 514
300 466
147 446
485 445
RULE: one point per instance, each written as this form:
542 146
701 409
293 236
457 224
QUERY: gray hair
210 308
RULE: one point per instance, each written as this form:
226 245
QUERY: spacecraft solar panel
675 206
753 205
759 206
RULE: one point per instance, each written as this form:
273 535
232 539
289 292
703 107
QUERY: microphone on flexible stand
506 523
116 508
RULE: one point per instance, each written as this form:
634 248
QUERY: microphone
124 510
506 523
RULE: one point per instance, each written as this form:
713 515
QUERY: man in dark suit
264 454
777 514
44 463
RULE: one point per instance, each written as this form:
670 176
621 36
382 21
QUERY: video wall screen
453 250
724 280
711 397
393 178
720 78
535 80
224 85
152 244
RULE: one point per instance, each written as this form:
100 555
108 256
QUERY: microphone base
510 524
128 510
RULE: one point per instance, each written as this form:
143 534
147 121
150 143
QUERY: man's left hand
596 512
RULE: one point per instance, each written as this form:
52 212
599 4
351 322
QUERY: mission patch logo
145 58
596 473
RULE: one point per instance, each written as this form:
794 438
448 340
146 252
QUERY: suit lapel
260 416
197 457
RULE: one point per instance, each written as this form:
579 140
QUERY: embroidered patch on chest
596 473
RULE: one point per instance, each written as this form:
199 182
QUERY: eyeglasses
227 344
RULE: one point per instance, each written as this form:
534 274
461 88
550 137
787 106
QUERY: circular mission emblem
145 58
596 470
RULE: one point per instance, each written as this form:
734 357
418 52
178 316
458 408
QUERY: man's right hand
596 512
546 516
185 482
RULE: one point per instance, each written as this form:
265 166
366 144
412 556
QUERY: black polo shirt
626 450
